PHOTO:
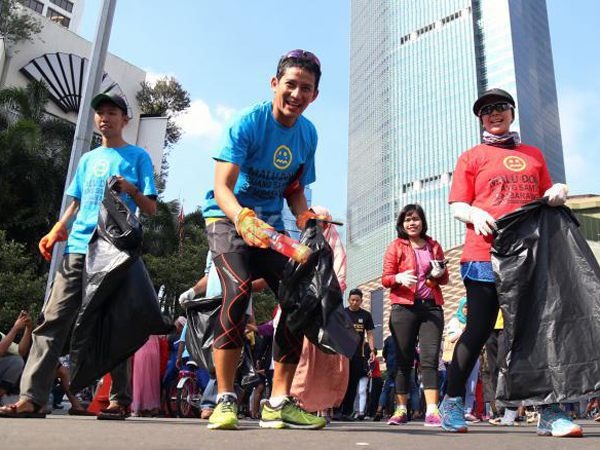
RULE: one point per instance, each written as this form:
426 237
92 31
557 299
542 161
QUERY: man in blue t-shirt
266 155
133 168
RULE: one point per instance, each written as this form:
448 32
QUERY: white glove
557 194
483 222
187 295
437 268
406 278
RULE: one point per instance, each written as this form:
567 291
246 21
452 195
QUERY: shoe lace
553 412
455 410
295 406
227 405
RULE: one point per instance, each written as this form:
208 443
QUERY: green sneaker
289 415
224 417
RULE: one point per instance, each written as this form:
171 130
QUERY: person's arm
200 287
69 216
251 324
439 255
6 342
390 266
26 339
226 176
371 340
259 285
10 337
146 203
179 354
60 230
483 222
297 202
249 227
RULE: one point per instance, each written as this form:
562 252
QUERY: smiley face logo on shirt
282 158
101 167
514 163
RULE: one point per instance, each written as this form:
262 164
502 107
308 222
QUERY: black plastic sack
249 379
202 316
120 308
548 284
311 297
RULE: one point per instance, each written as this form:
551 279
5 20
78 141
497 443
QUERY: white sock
223 394
277 400
401 408
431 409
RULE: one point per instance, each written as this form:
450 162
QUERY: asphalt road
65 432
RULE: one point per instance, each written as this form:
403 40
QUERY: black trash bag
202 316
249 379
311 297
120 308
548 284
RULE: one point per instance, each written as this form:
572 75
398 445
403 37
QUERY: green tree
34 154
16 24
176 269
263 303
165 98
20 287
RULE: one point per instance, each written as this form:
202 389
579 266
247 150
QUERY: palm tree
34 155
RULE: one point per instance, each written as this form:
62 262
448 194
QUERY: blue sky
224 54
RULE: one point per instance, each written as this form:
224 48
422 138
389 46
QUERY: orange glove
305 217
57 233
250 228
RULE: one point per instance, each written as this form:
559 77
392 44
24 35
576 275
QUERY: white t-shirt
13 348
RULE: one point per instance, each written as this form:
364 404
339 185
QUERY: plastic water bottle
288 247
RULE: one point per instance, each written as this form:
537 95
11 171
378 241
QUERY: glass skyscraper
416 67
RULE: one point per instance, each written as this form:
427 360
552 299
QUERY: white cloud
224 112
199 121
581 141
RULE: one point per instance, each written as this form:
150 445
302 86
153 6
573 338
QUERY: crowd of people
270 371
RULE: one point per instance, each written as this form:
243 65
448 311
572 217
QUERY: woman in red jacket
413 269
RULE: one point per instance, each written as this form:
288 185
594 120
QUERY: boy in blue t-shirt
133 168
267 154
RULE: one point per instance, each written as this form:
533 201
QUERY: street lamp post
85 119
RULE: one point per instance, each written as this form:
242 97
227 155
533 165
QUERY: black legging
236 272
482 312
424 319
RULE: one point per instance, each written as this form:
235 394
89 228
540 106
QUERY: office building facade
416 67
66 13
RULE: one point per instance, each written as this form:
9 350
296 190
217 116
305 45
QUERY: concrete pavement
66 433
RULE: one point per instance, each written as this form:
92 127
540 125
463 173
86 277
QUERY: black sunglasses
488 109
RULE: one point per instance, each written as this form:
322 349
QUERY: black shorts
238 265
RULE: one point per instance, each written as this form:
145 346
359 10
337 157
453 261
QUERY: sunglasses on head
303 54
500 107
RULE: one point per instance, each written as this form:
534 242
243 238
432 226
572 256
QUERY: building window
58 17
64 4
38 7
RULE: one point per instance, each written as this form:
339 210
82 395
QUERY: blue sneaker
553 421
453 415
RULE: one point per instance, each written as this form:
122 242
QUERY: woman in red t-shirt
413 268
490 180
